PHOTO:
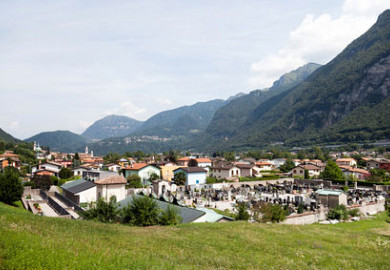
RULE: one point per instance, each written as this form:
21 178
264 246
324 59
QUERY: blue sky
66 64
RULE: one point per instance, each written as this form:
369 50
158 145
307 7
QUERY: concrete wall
309 218
106 191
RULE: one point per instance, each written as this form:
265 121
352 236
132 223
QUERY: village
202 188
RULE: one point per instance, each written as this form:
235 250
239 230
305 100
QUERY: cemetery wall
310 218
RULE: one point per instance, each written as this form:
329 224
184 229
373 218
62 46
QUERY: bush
134 181
354 212
103 211
143 211
272 213
170 216
242 212
339 212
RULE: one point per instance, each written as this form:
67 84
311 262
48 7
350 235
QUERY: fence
60 210
68 202
42 194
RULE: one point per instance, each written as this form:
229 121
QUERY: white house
111 186
204 162
194 175
313 170
113 167
80 191
47 166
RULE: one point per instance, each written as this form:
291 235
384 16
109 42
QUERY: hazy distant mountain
111 126
61 140
5 137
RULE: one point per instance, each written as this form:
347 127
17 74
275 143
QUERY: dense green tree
272 213
11 189
332 171
307 176
65 173
242 212
339 212
287 166
103 211
112 157
153 176
143 211
170 216
192 163
180 178
230 156
134 181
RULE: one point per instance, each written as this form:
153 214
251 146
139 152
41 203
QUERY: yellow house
167 171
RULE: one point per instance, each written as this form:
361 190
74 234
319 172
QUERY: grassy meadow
34 242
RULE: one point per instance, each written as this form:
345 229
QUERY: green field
34 242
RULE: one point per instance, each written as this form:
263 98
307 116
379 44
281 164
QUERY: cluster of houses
96 178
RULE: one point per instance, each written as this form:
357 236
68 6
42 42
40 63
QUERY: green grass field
34 242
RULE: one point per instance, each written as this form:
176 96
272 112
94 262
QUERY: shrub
103 211
339 212
170 216
272 213
134 181
354 212
242 212
143 211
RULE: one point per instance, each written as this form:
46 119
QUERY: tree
287 166
103 211
272 213
11 189
180 178
307 176
242 212
134 181
332 171
65 173
42 181
230 156
192 163
153 176
143 211
170 216
111 157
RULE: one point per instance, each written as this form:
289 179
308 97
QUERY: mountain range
111 126
346 100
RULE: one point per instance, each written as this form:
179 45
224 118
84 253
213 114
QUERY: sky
66 64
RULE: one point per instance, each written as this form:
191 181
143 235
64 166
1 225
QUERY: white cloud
317 39
164 101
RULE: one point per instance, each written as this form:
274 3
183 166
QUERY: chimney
39 165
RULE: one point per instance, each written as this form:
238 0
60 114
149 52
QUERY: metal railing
59 209
68 202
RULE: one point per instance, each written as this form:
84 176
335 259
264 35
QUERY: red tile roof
114 179
136 166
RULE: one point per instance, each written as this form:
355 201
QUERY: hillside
167 130
228 119
5 137
185 120
34 242
61 140
327 107
111 126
